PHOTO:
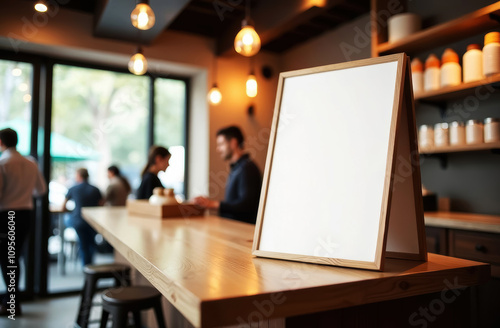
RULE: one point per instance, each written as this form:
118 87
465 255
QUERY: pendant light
251 85
138 64
41 6
142 16
214 95
247 41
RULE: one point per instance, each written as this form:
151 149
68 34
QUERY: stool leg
86 302
137 319
104 318
159 314
120 318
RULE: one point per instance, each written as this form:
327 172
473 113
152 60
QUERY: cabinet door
477 246
436 240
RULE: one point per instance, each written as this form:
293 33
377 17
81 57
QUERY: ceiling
282 24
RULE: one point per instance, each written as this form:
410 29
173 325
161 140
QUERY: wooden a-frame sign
342 178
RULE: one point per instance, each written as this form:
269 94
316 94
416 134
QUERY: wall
350 41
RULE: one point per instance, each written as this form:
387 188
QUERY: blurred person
83 194
118 189
20 180
158 160
241 200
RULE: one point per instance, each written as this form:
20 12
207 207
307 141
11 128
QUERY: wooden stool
121 274
120 301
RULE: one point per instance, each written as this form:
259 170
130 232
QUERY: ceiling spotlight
41 6
142 16
138 64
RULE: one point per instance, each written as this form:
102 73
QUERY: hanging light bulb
214 95
251 85
142 16
247 41
41 6
138 64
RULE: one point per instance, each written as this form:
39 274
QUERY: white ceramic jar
441 135
425 136
492 129
473 63
491 53
474 132
402 25
457 133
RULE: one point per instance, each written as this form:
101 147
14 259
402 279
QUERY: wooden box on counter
143 207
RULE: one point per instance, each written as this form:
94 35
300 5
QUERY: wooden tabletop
464 221
204 267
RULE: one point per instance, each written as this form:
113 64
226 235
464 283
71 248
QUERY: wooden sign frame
401 229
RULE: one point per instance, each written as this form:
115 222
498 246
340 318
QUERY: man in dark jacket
241 201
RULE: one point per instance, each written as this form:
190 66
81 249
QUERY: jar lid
449 56
425 127
432 61
440 126
417 65
491 120
474 122
492 37
456 123
473 46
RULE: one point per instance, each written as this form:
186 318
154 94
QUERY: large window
100 118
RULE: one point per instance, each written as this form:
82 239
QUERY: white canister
474 132
451 72
425 136
432 74
491 53
473 63
441 135
402 25
417 75
457 133
492 129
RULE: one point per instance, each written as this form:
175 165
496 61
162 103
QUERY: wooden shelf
465 221
458 29
476 88
455 149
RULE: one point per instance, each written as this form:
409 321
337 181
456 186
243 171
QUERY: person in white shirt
20 180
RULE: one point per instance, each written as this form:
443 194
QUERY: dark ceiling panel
212 18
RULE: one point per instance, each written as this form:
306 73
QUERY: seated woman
118 189
157 161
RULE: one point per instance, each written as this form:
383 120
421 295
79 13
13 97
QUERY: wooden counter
204 267
463 221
